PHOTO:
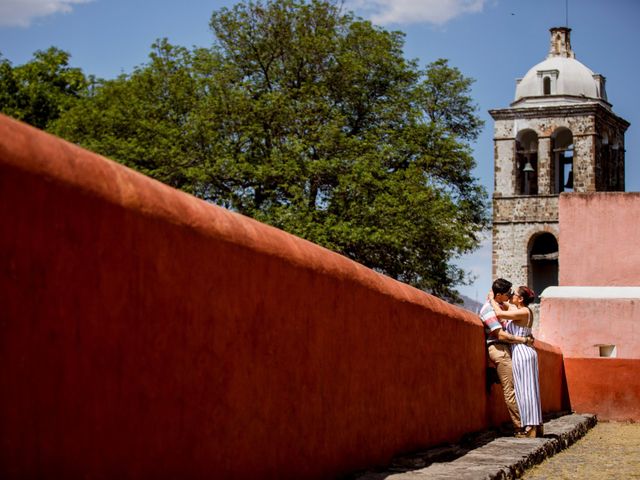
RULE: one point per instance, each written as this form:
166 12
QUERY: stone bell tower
559 135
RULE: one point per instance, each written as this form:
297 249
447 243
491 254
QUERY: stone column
584 169
504 175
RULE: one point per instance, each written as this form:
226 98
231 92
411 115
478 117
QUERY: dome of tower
560 78
572 78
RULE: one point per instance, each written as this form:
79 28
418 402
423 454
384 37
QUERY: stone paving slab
487 455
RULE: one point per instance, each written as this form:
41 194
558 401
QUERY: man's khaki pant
500 354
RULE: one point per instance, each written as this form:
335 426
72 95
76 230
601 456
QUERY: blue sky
492 41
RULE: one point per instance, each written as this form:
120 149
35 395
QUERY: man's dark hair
500 285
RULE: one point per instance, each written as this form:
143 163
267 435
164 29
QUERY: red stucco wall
609 387
553 386
147 334
581 325
599 239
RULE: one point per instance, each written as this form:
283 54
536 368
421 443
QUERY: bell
528 167
569 183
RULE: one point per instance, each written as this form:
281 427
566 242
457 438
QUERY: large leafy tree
309 119
39 91
146 120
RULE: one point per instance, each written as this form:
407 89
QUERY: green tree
145 120
39 91
309 119
332 135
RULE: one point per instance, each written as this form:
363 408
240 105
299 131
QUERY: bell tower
559 135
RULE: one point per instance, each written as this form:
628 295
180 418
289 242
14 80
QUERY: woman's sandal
527 432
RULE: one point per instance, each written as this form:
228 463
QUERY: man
498 346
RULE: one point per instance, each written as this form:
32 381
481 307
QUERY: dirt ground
608 451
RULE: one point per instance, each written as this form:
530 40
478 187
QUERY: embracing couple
507 321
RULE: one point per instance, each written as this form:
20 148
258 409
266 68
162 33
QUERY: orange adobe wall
609 387
148 334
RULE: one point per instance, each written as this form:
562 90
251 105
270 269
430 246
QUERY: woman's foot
527 432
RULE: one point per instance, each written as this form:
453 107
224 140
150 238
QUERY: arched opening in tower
609 167
543 262
527 163
562 164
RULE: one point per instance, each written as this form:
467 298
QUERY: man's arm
493 325
503 336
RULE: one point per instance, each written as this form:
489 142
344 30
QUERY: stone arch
526 167
562 160
542 253
609 169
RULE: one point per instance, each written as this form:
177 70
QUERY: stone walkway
608 451
488 455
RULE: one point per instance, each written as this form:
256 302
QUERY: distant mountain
470 304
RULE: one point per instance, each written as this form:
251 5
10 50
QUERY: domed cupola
560 79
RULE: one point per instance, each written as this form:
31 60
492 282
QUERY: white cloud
20 13
437 12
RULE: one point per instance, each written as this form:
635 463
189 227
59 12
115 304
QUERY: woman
524 359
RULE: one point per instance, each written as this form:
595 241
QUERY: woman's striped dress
525 377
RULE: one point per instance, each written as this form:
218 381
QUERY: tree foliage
146 120
39 91
310 119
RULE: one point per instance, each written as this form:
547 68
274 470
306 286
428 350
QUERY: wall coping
28 149
574 292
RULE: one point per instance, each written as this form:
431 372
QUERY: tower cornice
590 109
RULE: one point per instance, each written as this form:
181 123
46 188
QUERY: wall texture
599 239
147 334
609 387
581 320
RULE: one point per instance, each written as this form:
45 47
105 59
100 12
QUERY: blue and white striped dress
525 376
